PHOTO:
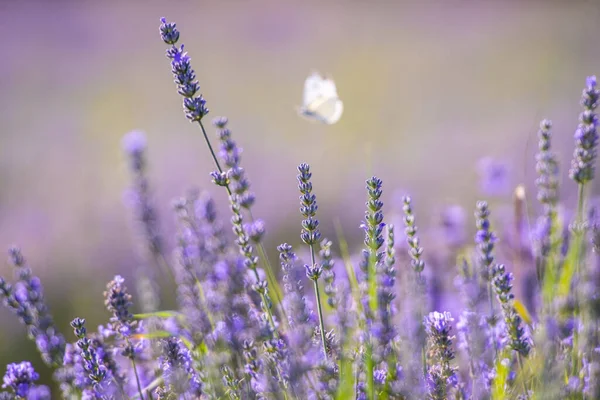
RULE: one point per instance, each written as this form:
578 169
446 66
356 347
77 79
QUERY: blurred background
429 89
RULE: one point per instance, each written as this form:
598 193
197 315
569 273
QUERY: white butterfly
321 102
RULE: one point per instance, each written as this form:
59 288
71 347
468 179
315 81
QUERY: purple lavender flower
118 301
231 155
134 144
96 371
26 299
586 137
20 378
517 336
185 77
327 263
179 370
439 327
412 238
494 177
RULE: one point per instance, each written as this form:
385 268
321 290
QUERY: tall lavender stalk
311 236
195 109
418 264
372 257
440 373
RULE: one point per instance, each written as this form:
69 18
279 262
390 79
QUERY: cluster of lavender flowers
329 327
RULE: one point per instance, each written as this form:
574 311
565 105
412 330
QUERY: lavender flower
517 337
484 239
373 227
441 373
586 137
118 301
26 299
178 369
547 168
20 378
134 144
300 318
96 371
311 236
231 154
327 263
185 77
412 239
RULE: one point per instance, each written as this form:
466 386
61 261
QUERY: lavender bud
219 178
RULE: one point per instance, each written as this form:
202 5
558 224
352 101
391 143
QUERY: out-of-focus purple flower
118 301
416 251
20 378
453 221
380 376
494 179
586 137
26 299
230 153
178 369
327 263
439 327
134 145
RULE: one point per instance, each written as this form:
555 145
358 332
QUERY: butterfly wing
321 102
327 111
313 87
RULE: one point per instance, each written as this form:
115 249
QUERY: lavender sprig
311 236
97 372
418 264
548 184
178 369
118 301
416 251
327 263
485 240
372 257
517 337
441 373
26 299
586 137
185 77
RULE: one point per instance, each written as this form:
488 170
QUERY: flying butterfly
320 101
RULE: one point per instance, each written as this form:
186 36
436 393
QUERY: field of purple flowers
314 324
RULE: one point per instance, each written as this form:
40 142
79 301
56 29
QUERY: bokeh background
429 89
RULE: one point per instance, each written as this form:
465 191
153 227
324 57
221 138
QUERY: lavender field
440 241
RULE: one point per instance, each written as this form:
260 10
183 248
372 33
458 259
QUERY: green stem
319 308
137 378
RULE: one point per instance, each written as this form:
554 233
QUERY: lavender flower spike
27 300
311 236
416 250
586 136
517 337
178 369
439 327
185 77
134 144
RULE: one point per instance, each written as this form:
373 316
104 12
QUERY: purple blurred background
429 89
